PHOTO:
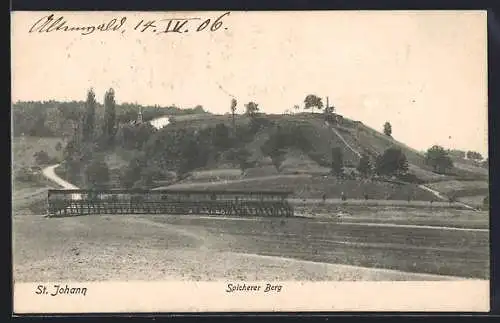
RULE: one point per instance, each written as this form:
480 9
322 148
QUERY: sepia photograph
242 161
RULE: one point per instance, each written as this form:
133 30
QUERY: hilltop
353 137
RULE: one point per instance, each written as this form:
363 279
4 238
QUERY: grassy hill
308 153
357 135
353 137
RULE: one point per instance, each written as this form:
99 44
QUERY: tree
387 129
241 156
132 173
364 166
456 153
392 162
89 117
329 116
278 156
134 137
337 162
296 108
251 108
485 163
312 101
233 111
109 127
96 174
198 109
438 158
474 155
329 110
221 139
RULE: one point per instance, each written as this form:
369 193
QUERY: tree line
59 119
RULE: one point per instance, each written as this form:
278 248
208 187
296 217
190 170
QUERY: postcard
249 161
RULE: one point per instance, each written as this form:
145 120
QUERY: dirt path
444 198
49 173
343 140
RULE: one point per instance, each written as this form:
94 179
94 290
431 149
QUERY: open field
184 247
400 215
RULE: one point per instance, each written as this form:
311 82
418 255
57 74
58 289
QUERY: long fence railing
238 203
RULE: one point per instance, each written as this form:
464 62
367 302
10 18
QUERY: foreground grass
419 250
97 248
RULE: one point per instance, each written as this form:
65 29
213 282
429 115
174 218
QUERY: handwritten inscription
57 290
54 24
231 288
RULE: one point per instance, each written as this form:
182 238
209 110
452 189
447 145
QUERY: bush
97 174
42 158
410 178
259 122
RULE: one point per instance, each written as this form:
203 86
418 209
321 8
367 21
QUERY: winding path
50 174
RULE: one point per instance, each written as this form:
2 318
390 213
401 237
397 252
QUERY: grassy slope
23 149
357 135
30 197
306 186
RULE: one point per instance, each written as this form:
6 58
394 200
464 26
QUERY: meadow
97 248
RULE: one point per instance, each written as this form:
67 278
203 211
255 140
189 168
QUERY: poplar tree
109 126
89 117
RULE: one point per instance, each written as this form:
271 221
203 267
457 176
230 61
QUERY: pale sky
424 72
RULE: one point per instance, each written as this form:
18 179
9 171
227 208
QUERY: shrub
42 157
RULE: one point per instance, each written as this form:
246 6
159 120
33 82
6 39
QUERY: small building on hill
139 119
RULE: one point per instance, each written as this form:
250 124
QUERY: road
49 173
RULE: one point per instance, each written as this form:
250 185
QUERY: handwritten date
52 24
